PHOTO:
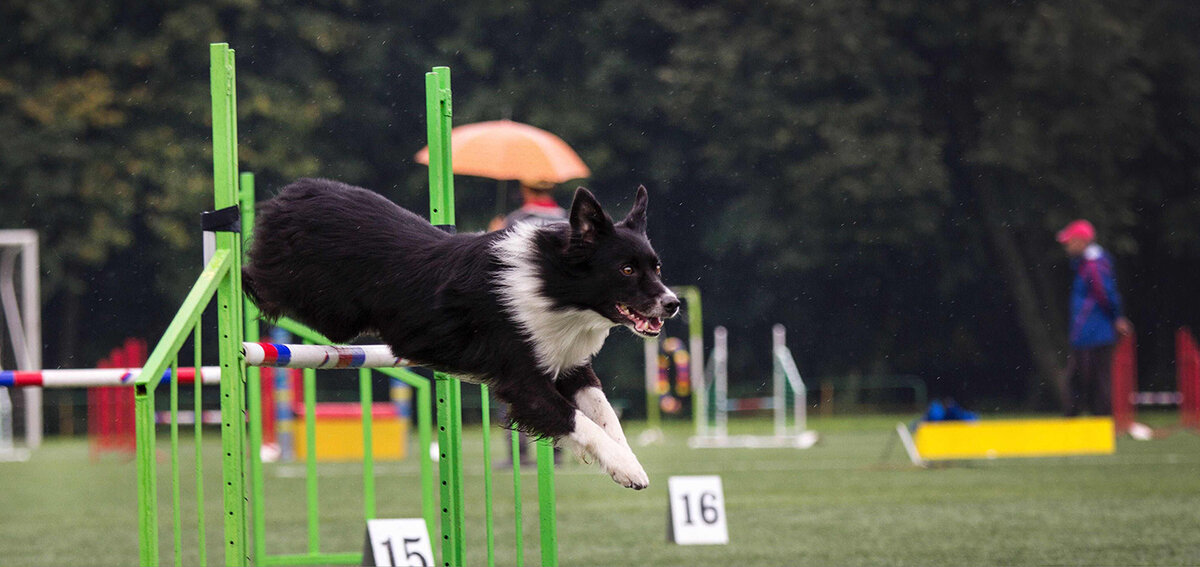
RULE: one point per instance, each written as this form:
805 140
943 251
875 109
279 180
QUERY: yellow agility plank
1015 438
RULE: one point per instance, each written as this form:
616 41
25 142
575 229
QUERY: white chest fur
561 338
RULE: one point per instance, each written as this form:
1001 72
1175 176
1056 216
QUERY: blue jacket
1095 303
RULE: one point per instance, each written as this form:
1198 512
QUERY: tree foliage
883 176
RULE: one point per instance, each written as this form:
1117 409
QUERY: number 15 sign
697 510
397 542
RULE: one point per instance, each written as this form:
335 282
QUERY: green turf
838 503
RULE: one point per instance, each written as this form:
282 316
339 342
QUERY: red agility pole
1124 384
1187 373
110 408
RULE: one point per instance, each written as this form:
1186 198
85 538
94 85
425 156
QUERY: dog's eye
627 270
658 269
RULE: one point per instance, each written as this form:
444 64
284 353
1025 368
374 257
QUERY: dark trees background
884 177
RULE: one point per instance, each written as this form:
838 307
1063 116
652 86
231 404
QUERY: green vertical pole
449 470
424 441
197 429
451 557
254 376
310 459
653 412
143 399
441 214
368 419
441 176
518 516
486 416
691 297
546 503
176 515
229 300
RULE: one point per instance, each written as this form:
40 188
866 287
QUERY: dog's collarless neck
561 337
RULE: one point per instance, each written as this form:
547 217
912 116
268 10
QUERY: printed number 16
708 512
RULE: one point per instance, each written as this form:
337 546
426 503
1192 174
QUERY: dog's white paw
582 455
627 471
592 444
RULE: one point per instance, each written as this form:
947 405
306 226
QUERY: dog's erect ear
588 220
636 219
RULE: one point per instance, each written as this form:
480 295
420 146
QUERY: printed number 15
409 555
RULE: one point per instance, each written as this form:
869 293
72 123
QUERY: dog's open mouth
641 323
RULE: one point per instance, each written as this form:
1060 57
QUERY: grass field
838 503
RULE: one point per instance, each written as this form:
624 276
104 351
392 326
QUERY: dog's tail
268 310
248 285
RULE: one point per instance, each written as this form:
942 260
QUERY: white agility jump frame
785 377
23 322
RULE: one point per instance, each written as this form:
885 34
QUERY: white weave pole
787 364
778 392
321 356
721 379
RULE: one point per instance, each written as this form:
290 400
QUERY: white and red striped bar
1157 398
88 377
320 356
188 417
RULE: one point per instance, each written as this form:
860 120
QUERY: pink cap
1080 229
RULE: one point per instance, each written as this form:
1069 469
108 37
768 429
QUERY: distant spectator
1096 321
539 207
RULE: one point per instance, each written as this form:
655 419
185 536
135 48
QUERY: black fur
346 261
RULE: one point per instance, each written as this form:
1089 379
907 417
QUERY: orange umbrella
503 149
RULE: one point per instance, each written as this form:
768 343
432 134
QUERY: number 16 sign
697 510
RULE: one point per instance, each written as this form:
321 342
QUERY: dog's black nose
671 306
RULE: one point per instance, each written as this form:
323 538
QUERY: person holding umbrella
538 207
505 150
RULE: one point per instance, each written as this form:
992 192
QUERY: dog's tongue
651 324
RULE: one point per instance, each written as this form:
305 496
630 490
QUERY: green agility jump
243 509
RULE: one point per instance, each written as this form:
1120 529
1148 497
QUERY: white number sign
697 510
398 542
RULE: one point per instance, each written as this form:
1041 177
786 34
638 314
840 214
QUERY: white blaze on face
561 338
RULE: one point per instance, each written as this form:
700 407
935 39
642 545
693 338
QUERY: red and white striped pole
89 377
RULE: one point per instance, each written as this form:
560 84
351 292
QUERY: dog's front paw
582 455
628 472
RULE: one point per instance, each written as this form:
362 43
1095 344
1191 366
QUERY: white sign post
697 510
397 542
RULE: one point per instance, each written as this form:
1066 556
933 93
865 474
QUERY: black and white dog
522 310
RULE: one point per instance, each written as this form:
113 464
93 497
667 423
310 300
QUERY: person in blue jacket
1096 322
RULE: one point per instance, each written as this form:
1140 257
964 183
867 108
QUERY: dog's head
616 264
